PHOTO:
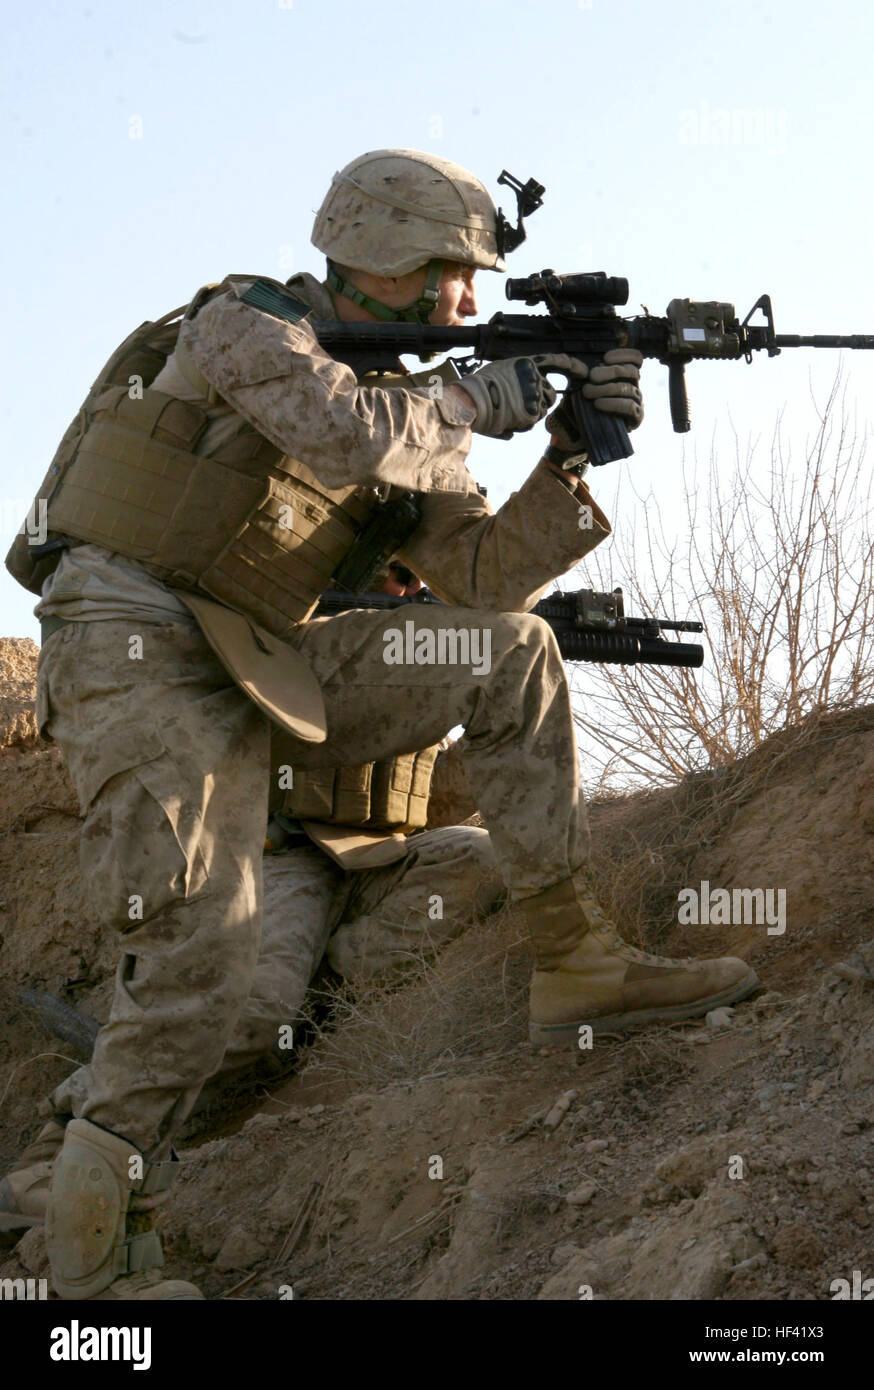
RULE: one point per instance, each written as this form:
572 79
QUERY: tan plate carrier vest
246 525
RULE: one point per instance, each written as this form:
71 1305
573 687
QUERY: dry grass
650 1061
468 1005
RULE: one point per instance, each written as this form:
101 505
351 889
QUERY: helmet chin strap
417 311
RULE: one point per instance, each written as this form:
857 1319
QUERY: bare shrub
782 576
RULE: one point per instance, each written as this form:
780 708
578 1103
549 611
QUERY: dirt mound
418 1152
796 815
18 658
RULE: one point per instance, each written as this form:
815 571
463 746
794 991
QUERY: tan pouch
390 795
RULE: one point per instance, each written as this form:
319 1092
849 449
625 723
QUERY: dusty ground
409 1155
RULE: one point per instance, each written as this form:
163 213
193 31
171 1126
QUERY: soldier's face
457 296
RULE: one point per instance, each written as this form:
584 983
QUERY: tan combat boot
24 1192
99 1233
586 974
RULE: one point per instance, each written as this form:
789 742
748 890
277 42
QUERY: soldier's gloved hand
514 394
614 386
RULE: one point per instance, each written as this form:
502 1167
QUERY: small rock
31 1251
754 1262
852 973
240 1250
279 1210
596 1146
211 1243
556 1114
364 1101
563 1254
261 1121
719 1018
581 1195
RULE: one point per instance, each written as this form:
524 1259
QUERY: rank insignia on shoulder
275 299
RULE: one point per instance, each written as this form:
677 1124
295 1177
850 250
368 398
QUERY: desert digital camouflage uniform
363 923
169 757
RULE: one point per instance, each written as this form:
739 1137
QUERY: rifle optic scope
593 288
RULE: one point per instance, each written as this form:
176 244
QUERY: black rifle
582 322
588 625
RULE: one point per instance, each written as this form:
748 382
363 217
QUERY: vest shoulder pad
271 296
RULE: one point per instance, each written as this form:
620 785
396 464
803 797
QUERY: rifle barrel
672 625
826 340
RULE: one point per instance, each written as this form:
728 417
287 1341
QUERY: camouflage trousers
170 760
367 923
520 754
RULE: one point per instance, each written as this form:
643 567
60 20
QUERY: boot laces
607 932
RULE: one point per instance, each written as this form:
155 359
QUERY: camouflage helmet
391 211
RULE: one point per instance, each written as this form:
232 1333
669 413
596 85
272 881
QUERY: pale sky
702 149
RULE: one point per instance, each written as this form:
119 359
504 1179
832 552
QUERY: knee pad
99 1178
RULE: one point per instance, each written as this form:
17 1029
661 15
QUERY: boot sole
558 1034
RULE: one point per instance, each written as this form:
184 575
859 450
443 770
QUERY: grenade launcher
589 626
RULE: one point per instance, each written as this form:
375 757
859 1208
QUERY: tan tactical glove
614 387
514 394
